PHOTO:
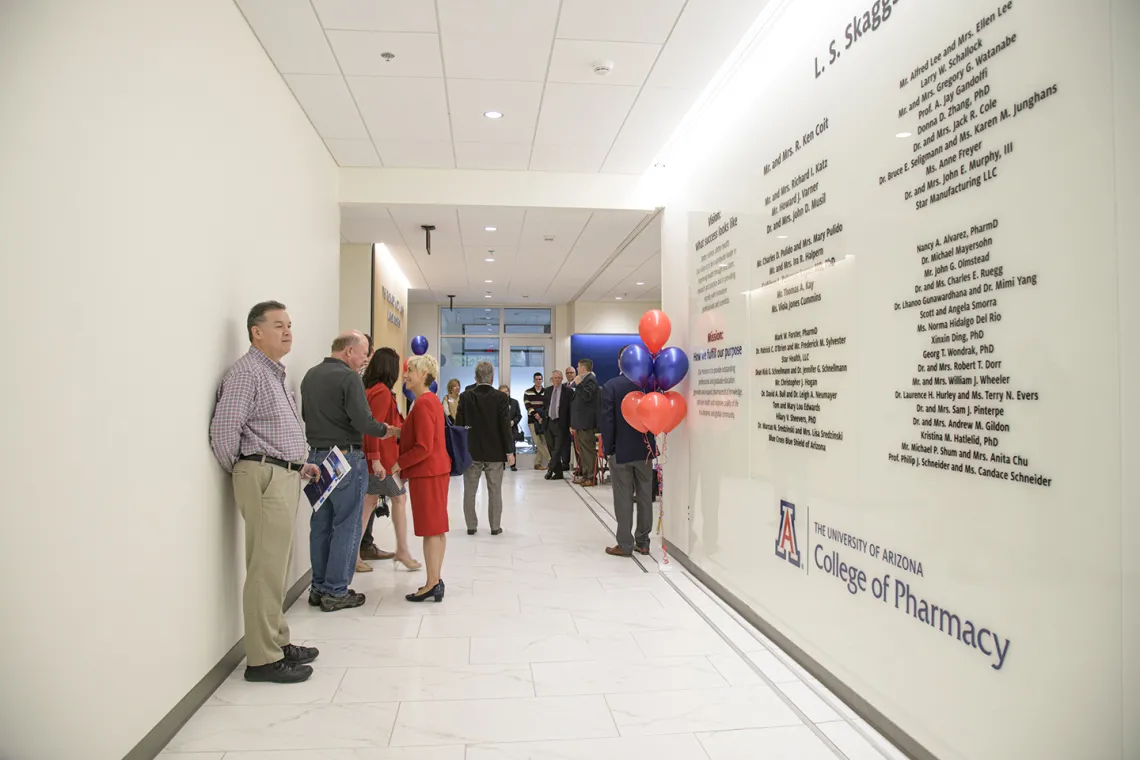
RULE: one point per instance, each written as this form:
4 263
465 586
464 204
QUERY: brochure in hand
334 469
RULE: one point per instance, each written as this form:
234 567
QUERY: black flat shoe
435 592
471 531
496 531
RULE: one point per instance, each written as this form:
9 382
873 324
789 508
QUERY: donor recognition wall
905 389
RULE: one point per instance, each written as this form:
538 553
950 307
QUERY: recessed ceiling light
723 266
903 134
617 298
489 260
493 114
782 237
487 296
490 229
641 283
487 281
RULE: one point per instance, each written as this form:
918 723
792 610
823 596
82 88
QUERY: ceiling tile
574 60
563 225
577 113
473 221
497 39
552 157
363 211
291 35
625 21
377 15
359 53
517 101
415 154
396 108
328 104
513 156
374 230
353 152
651 122
705 35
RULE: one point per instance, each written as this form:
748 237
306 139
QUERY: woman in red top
424 463
382 372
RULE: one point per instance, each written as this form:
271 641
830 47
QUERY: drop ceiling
540 255
531 60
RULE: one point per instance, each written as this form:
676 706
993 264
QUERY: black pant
558 441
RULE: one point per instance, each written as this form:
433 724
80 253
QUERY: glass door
524 356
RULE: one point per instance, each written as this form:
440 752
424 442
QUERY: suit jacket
516 415
619 438
587 403
565 400
423 448
383 405
486 411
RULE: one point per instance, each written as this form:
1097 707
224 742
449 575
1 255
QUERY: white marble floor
545 647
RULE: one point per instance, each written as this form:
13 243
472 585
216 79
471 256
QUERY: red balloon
677 409
654 328
654 412
629 410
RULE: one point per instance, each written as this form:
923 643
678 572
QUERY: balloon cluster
656 408
419 348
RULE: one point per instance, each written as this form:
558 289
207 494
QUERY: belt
291 466
345 448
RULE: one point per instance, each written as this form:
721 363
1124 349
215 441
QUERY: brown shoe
374 552
617 551
363 567
642 549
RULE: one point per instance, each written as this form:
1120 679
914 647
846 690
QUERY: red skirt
429 504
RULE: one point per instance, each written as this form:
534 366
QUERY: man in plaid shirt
256 435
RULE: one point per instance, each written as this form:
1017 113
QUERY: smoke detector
548 238
603 68
387 57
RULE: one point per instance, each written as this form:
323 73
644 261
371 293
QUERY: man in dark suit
584 421
629 454
556 419
486 412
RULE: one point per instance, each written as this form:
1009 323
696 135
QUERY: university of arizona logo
786 545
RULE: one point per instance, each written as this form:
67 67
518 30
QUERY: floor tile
678 643
478 625
502 720
191 755
628 601
453 752
630 621
773 667
555 648
700 710
377 653
319 689
455 602
735 670
809 702
781 743
850 742
332 627
552 679
224 729
435 683
680 747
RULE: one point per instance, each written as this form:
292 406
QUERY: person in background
451 400
379 378
425 465
571 375
584 421
371 350
516 418
368 548
256 436
485 411
534 401
556 402
336 415
630 456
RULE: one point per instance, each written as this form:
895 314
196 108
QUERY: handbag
456 439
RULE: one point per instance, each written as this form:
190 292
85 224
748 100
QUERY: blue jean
334 529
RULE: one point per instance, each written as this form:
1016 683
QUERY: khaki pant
267 497
471 477
542 457
587 443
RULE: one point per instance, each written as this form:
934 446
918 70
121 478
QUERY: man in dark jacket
556 420
516 418
630 455
486 412
584 421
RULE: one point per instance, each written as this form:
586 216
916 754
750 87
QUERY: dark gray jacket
586 404
335 408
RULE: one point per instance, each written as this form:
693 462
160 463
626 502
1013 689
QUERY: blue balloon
636 364
419 345
434 387
408 394
670 367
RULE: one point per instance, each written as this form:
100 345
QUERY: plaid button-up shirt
256 414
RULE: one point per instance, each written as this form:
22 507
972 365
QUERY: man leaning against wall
257 436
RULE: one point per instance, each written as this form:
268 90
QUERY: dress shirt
335 408
255 414
555 399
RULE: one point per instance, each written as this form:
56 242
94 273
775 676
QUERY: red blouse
384 409
423 450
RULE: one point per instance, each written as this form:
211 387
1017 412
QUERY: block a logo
787 547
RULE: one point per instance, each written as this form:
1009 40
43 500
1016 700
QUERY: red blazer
383 405
423 450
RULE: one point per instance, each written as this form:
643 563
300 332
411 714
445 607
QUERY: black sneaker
346 602
314 598
471 531
300 655
281 671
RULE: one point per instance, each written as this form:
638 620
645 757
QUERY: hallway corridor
544 648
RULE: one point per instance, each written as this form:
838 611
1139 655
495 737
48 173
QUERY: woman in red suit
424 463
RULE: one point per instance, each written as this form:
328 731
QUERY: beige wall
356 287
158 180
388 276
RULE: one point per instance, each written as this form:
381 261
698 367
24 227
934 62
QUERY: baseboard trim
902 740
161 735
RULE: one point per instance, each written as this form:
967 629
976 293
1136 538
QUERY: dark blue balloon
670 367
419 345
408 394
434 387
636 364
